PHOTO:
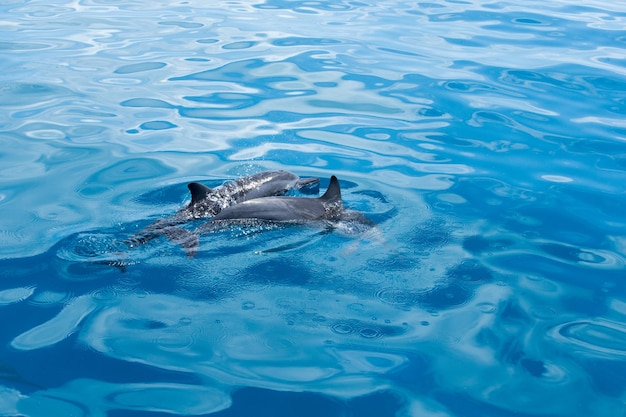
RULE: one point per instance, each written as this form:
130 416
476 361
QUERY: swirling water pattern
486 139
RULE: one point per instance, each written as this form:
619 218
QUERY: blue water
487 139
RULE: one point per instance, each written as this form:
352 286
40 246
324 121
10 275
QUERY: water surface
486 139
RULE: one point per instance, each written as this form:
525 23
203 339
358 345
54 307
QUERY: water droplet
342 328
370 333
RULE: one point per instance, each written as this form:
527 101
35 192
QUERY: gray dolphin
327 208
285 209
207 202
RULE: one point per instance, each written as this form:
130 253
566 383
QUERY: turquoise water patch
157 125
144 66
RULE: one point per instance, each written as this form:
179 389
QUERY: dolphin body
207 202
286 209
281 209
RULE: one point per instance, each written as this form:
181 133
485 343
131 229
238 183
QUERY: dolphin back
280 209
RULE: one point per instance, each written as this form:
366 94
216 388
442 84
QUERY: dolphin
207 202
288 209
280 209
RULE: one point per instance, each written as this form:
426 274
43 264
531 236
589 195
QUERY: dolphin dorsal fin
198 192
333 193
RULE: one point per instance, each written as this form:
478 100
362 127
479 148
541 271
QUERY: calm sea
486 139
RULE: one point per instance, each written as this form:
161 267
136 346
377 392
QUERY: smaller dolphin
206 202
327 208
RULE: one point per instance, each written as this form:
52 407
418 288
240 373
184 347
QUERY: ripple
598 338
120 81
50 298
432 234
309 7
169 398
445 296
174 342
497 126
370 333
396 297
486 307
365 330
15 295
88 253
281 345
88 246
104 294
56 329
393 263
88 397
470 270
93 191
342 328
44 131
593 258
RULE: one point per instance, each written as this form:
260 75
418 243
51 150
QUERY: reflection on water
486 140
293 338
